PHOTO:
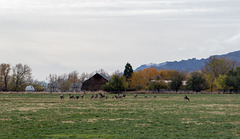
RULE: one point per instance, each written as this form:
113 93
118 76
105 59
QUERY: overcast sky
60 36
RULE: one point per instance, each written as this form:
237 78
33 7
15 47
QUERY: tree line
218 74
15 78
18 77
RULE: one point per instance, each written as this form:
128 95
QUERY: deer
186 97
101 95
62 96
135 96
71 96
82 96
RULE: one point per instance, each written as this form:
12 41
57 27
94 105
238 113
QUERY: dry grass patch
26 118
218 112
46 104
5 119
234 123
122 119
224 113
235 132
220 105
30 108
214 123
68 122
91 120
234 113
142 125
189 120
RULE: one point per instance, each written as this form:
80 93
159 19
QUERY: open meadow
166 116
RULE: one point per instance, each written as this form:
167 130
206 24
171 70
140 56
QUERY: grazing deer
92 96
185 97
101 95
77 97
135 96
71 96
82 96
62 96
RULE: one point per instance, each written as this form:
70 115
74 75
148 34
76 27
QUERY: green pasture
167 116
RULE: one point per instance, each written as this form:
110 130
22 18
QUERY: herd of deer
105 96
72 96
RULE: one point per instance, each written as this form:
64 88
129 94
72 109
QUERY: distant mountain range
189 65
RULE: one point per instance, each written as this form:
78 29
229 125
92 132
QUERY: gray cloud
59 36
107 7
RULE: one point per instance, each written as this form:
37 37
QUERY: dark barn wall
95 83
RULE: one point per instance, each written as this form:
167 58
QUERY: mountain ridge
189 65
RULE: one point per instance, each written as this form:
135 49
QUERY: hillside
190 64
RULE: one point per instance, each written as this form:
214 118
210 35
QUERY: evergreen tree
128 71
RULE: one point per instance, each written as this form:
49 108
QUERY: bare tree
21 76
73 77
218 66
102 72
117 72
84 76
4 72
52 78
64 82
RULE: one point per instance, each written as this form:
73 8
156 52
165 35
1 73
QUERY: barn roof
104 76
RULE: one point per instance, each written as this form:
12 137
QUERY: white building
30 88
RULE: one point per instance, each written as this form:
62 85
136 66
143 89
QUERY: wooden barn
94 83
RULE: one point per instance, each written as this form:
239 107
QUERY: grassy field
167 116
